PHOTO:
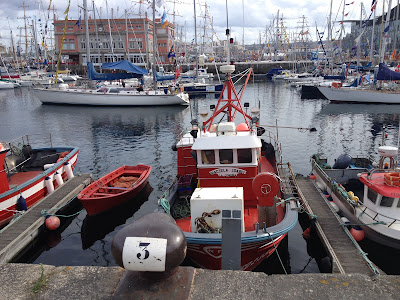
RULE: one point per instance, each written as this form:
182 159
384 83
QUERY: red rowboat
114 188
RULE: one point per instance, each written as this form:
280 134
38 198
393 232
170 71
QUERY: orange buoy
52 223
312 177
357 233
307 233
242 127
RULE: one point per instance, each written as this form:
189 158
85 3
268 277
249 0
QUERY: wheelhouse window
226 156
244 156
387 201
208 157
372 195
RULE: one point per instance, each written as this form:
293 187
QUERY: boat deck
346 258
18 234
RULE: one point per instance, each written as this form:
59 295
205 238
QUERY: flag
386 29
393 54
346 14
368 78
165 24
164 16
78 23
177 72
373 5
398 67
358 39
350 3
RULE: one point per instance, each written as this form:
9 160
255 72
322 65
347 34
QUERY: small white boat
373 203
6 85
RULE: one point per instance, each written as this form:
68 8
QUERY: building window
119 27
83 44
70 28
106 44
162 44
135 43
136 59
138 27
69 44
162 31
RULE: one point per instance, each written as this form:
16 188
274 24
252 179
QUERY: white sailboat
109 96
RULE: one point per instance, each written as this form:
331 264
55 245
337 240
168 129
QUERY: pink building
131 39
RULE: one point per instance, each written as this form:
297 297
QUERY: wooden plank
345 256
21 232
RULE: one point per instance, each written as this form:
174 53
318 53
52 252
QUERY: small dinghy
114 188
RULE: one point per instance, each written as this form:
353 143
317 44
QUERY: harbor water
109 137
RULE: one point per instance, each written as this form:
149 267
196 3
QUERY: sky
255 18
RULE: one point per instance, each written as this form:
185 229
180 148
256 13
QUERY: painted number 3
145 253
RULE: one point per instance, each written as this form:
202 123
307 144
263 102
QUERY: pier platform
346 258
17 235
22 281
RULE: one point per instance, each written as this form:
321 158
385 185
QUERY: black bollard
151 250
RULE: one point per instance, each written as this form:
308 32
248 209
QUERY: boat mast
195 41
387 20
359 45
154 46
396 27
372 46
228 55
87 44
97 35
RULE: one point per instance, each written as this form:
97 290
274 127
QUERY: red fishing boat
224 166
114 188
30 169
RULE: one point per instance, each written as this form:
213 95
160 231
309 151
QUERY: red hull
33 197
101 195
252 254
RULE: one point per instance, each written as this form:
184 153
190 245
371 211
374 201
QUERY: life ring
394 176
392 179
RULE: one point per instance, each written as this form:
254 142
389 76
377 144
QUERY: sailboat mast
195 41
154 46
87 44
97 35
371 52
387 20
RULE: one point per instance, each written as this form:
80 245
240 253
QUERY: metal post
231 239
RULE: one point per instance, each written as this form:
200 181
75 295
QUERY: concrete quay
26 281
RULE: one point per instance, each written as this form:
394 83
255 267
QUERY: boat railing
273 140
374 215
333 186
379 171
37 140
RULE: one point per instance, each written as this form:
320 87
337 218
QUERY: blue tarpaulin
126 66
385 73
133 71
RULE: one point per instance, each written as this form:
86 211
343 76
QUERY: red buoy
307 233
312 177
357 233
52 223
